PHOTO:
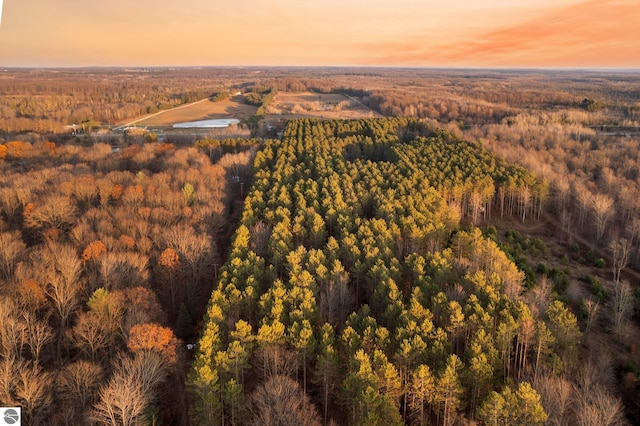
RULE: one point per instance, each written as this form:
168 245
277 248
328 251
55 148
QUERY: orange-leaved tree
153 337
94 250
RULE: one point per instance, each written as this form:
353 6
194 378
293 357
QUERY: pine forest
353 294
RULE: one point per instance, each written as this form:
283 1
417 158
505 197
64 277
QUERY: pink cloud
594 33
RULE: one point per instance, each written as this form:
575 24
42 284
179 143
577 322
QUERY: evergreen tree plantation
358 290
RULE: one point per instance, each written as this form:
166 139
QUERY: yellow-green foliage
362 231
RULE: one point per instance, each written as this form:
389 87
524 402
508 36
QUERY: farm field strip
201 110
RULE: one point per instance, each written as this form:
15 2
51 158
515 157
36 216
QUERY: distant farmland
229 108
286 106
291 105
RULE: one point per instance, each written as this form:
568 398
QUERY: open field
292 105
203 110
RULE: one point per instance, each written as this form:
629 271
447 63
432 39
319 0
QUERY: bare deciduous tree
540 297
131 389
33 393
8 372
29 294
583 200
124 269
591 308
12 330
562 191
12 200
141 306
260 233
594 404
525 201
557 397
599 408
90 336
85 192
634 229
620 251
121 403
168 264
336 298
78 383
56 212
622 306
565 221
197 256
281 401
11 251
274 360
602 206
37 334
61 274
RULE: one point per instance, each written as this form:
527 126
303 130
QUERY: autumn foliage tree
153 337
94 251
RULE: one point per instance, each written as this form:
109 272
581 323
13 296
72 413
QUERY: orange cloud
594 33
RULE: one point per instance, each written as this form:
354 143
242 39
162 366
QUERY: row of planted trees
105 259
352 295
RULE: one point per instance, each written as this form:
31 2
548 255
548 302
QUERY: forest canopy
106 262
351 274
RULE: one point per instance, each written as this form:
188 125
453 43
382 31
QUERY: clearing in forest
293 105
203 110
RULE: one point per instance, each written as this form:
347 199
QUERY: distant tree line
47 101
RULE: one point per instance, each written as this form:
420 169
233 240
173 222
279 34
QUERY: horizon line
387 67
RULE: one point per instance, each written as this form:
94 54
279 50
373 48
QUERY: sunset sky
429 33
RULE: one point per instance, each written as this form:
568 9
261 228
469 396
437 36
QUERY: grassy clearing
290 105
229 108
